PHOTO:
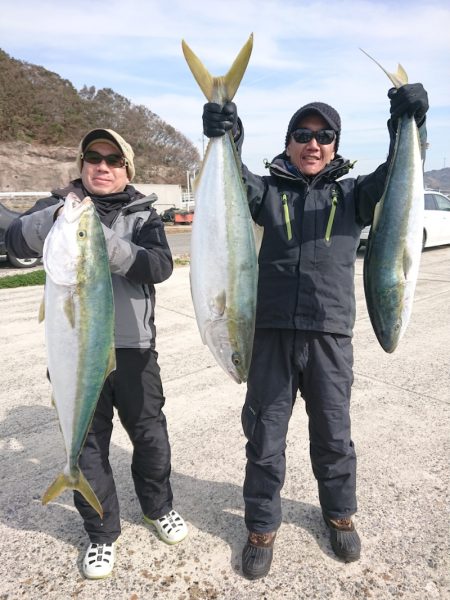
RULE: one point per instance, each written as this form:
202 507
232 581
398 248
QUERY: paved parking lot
400 422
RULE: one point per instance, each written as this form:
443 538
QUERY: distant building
169 196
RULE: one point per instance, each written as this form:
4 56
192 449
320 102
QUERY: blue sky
303 51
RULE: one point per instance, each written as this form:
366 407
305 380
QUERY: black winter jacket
311 234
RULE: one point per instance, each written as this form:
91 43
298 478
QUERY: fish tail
77 481
398 79
228 83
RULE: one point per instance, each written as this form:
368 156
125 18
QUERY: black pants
320 366
135 390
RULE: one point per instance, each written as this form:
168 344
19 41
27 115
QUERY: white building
169 195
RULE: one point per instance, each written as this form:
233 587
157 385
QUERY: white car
436 229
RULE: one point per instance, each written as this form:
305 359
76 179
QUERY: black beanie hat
326 111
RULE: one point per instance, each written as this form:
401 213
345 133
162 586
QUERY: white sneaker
171 528
99 561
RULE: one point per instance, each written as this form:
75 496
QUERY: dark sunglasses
95 158
324 136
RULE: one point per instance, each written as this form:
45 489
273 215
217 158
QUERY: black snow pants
320 365
135 390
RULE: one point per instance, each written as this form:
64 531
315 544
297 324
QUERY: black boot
344 538
257 554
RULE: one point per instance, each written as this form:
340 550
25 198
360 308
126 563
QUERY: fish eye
236 359
81 234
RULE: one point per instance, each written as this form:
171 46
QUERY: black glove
218 119
410 99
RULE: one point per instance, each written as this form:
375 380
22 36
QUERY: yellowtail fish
392 259
223 269
79 331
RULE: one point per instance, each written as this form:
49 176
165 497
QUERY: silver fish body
392 259
223 265
79 331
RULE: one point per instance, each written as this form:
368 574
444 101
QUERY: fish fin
376 214
41 315
219 303
398 79
69 309
234 76
88 494
111 362
227 84
258 232
77 482
201 74
407 263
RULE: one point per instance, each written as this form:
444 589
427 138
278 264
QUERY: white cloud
303 51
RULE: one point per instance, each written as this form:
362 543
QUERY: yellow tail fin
76 482
398 79
219 89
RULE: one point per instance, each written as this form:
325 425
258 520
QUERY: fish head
230 341
388 318
64 244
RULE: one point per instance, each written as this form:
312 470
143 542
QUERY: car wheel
424 239
23 263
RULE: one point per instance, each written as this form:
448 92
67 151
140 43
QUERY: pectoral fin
218 304
69 310
407 263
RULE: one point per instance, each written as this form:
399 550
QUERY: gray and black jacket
139 254
311 234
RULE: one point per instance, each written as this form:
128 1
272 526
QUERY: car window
442 202
429 202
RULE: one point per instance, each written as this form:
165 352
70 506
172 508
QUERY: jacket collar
133 199
282 167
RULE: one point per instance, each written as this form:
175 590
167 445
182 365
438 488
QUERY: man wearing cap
139 258
305 314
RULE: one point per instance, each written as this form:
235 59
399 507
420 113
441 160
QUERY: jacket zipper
287 218
334 201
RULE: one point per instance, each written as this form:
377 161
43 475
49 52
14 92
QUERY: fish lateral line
222 88
398 79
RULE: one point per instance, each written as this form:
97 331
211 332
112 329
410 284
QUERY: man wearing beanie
312 221
139 258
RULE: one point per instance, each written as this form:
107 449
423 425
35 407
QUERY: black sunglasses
95 158
324 136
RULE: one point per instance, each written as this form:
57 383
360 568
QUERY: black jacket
311 235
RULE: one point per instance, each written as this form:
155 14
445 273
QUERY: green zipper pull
287 218
334 201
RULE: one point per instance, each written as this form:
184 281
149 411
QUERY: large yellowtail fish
79 331
223 256
392 259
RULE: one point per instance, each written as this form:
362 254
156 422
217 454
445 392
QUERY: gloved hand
410 99
218 119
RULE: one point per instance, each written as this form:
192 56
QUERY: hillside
438 179
43 117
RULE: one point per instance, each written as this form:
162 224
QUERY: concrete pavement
400 416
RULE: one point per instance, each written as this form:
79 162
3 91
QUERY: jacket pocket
286 216
249 418
334 203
